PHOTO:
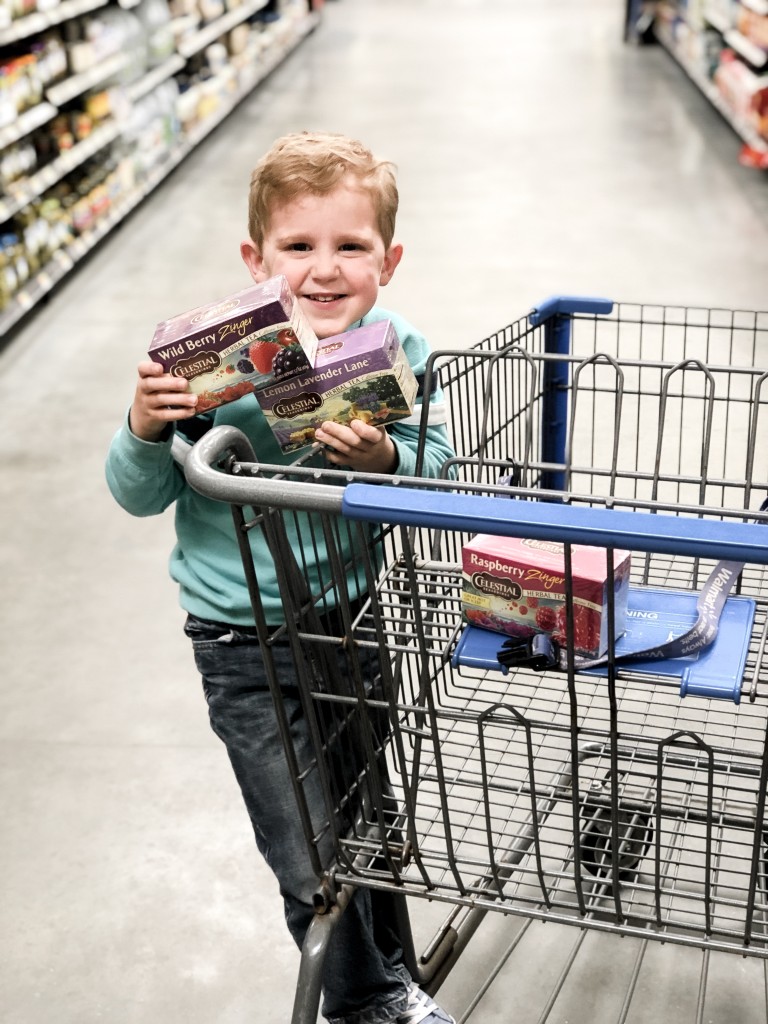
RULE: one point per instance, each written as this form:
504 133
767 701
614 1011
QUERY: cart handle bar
470 513
554 521
212 450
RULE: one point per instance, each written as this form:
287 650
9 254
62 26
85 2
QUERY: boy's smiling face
330 249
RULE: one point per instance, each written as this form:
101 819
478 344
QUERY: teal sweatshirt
145 479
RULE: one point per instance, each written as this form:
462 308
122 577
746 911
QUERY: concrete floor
537 154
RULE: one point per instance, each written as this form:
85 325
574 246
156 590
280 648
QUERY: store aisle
537 154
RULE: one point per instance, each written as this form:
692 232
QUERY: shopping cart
626 798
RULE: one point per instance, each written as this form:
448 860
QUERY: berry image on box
228 348
289 361
362 374
517 587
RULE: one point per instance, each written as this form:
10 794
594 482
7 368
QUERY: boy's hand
358 445
159 399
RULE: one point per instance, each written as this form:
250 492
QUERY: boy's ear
392 257
253 260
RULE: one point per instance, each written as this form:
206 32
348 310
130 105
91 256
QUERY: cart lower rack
600 798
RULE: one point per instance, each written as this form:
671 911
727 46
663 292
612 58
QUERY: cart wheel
635 835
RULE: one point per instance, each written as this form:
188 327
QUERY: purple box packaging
362 374
228 348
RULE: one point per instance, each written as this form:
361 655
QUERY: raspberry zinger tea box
228 348
517 587
361 374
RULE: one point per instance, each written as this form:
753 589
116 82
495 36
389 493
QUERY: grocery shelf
66 259
718 21
27 122
746 132
30 188
75 85
31 24
155 77
750 51
205 36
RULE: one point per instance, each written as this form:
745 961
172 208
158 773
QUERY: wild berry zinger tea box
228 348
361 374
517 587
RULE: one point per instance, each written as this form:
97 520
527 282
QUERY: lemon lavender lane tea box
226 349
361 374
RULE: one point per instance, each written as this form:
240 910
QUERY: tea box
517 587
361 374
226 349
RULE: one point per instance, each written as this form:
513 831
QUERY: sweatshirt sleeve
405 433
142 475
437 449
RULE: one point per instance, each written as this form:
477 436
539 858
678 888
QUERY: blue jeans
364 980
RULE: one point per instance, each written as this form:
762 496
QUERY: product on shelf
11 10
72 207
744 92
759 110
16 162
156 21
26 73
152 128
50 57
721 13
94 38
135 49
210 10
14 265
753 27
723 45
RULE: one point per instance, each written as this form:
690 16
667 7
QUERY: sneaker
422 1009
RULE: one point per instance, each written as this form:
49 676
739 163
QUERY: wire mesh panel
656 406
595 796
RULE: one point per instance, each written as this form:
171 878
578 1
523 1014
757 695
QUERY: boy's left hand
358 445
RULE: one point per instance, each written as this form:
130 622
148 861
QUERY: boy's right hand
159 399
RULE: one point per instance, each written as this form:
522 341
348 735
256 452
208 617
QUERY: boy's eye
350 247
298 247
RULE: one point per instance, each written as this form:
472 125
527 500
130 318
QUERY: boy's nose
325 264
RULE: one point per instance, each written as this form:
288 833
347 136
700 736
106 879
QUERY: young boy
322 212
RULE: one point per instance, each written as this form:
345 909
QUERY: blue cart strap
538 655
541 652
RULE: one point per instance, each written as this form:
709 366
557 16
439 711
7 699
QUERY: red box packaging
227 349
517 587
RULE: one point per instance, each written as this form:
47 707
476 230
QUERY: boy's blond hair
314 163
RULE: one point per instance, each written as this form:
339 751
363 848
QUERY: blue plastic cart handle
554 315
616 528
563 304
